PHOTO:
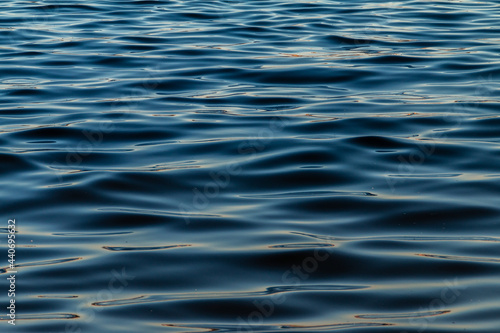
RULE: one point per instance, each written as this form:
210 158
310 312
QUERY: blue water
251 166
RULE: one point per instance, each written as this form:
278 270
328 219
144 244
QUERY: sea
257 166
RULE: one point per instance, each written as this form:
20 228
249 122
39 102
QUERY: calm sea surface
251 166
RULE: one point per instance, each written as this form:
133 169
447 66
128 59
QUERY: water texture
251 166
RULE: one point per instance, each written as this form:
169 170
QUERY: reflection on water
231 166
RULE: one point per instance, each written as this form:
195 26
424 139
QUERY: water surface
251 166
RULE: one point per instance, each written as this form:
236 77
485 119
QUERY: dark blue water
251 166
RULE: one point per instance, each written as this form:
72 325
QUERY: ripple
43 263
155 212
214 295
459 258
480 239
309 194
300 245
280 328
49 316
404 315
91 234
426 176
139 248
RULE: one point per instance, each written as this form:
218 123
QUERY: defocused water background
251 166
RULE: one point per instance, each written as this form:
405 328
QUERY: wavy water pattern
251 166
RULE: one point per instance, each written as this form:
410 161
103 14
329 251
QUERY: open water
251 166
